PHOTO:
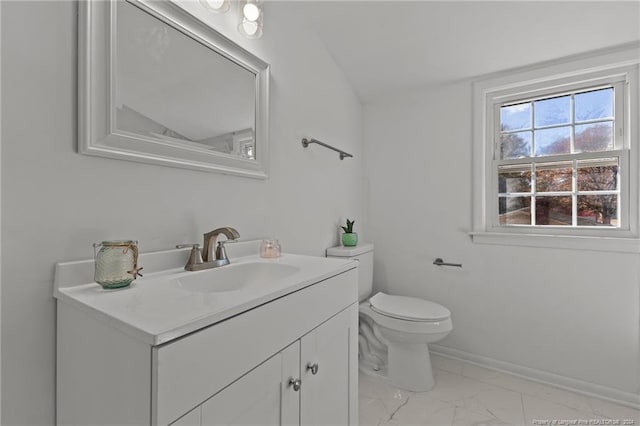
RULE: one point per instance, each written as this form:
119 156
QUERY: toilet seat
408 308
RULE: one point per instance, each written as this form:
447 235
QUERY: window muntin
581 121
557 160
619 69
576 193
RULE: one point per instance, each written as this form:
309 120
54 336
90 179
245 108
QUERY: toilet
394 331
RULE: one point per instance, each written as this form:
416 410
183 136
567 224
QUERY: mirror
159 86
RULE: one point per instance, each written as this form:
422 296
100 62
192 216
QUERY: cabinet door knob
313 367
296 383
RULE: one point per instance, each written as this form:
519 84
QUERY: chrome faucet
210 239
208 258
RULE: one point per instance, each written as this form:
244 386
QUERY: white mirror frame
97 132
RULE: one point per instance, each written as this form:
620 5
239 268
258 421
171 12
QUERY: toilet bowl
405 326
394 331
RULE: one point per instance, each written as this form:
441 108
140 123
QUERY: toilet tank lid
341 251
409 308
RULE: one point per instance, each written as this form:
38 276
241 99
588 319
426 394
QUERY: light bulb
216 4
251 12
250 27
251 16
219 6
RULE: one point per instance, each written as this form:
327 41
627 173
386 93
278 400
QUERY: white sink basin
236 277
169 302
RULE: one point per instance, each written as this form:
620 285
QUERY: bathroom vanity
255 342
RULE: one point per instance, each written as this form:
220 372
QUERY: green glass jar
116 263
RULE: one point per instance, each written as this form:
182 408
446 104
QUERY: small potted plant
349 238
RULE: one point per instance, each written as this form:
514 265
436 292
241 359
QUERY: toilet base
408 368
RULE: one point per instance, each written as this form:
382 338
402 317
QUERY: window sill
608 244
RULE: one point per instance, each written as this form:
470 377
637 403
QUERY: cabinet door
261 397
329 363
192 418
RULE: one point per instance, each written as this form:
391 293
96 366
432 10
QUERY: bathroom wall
566 316
57 202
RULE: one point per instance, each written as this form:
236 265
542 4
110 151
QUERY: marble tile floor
466 394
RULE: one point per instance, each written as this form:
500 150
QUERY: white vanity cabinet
259 397
289 361
307 383
284 389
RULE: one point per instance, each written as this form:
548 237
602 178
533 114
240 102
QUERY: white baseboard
618 396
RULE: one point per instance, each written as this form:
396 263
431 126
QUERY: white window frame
617 68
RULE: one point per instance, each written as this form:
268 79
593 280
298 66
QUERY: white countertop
157 310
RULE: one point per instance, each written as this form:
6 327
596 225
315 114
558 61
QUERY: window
558 159
556 155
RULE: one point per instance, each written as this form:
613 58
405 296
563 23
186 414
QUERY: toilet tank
363 252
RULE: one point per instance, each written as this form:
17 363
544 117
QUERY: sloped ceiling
386 47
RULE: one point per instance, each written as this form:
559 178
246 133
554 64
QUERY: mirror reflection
177 91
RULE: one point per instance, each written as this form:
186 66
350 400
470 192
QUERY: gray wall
57 202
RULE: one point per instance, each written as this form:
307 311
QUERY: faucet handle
221 253
195 257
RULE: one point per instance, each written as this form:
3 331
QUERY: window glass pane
514 210
552 141
553 111
554 177
553 210
594 137
594 105
557 162
515 117
598 210
514 179
598 175
515 145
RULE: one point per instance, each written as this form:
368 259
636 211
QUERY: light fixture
218 6
251 12
250 24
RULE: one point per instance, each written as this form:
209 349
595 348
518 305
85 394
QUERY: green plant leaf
349 228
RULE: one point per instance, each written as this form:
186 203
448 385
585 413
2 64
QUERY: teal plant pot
350 240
